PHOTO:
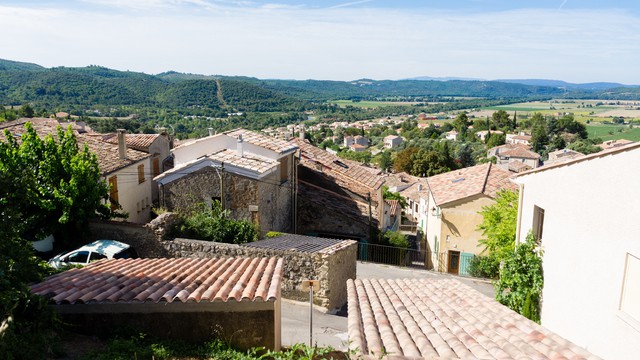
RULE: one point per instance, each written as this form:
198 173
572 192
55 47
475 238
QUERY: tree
213 223
465 156
26 111
539 135
494 140
500 120
520 284
59 186
498 224
404 160
384 160
461 124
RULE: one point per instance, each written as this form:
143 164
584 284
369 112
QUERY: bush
484 267
394 238
520 284
215 224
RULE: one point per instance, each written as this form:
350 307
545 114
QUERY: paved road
331 330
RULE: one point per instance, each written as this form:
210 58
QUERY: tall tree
58 186
500 120
539 135
461 124
498 224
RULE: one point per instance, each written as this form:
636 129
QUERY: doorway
454 262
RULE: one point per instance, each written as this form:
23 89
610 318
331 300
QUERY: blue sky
571 40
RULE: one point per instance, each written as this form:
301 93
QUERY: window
78 257
140 173
538 222
113 192
96 256
630 299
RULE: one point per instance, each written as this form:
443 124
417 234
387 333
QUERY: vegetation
143 347
485 266
498 224
60 187
212 223
520 284
394 238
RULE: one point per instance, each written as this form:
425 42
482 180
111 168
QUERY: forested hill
95 85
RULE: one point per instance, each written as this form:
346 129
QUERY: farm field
583 110
613 132
372 104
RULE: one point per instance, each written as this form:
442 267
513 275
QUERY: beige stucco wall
456 228
132 194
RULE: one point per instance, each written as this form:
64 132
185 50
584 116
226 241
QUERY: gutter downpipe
519 223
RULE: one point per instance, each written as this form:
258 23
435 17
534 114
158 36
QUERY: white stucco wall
132 194
591 222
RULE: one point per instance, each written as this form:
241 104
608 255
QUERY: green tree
500 120
404 160
57 186
498 224
461 124
384 160
539 135
494 140
26 111
520 284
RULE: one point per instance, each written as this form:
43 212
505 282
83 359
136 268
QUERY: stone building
252 175
337 197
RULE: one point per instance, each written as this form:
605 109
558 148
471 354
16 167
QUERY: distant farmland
613 132
372 104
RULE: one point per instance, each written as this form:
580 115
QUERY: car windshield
78 257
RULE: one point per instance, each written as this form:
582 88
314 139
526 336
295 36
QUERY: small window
538 222
141 173
156 167
126 254
284 169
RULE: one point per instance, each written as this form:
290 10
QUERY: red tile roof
137 141
443 318
267 142
455 185
166 280
351 170
107 154
519 152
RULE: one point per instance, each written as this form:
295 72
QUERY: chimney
419 187
240 146
302 133
122 144
211 132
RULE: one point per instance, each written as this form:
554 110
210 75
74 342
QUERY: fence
392 255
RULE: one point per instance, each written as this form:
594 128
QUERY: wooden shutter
113 192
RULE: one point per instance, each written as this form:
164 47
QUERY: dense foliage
498 224
520 284
484 266
394 238
213 223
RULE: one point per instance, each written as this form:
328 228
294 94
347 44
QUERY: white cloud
344 43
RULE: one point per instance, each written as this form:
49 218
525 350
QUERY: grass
613 132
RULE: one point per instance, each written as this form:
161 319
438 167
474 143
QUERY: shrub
395 238
484 267
215 224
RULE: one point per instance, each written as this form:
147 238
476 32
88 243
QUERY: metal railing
392 255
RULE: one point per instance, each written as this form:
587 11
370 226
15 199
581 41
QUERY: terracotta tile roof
603 153
137 141
519 152
253 163
458 184
614 143
443 318
352 170
518 166
165 281
267 142
108 158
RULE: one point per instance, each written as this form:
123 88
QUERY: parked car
97 250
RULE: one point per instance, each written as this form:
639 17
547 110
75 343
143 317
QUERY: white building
585 213
392 141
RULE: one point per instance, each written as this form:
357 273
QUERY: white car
97 250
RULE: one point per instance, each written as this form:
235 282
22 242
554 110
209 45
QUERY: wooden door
454 262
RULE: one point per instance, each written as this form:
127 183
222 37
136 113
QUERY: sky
573 40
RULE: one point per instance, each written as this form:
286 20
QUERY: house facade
252 175
392 141
584 213
450 219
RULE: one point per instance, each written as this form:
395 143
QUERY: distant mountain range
93 85
539 82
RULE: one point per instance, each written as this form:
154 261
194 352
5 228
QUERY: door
454 262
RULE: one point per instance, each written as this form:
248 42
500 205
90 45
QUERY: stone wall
331 266
265 202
